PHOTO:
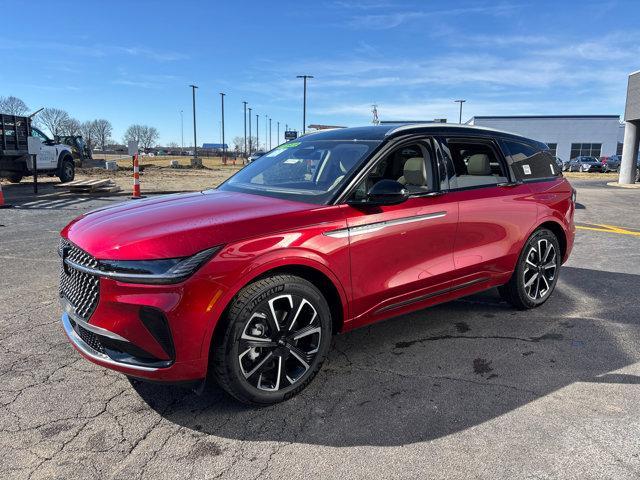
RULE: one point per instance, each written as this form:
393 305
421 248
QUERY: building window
552 148
585 149
619 149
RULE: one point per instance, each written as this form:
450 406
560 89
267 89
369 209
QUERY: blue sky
132 62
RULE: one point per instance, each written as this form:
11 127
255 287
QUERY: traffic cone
136 179
2 204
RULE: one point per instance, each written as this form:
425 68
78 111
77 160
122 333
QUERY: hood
180 225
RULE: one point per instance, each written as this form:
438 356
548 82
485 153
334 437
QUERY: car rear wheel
536 272
273 340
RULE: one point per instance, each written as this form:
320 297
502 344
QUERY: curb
623 185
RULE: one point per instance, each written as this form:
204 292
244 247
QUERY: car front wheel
536 272
273 340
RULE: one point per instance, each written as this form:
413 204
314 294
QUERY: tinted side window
475 164
529 162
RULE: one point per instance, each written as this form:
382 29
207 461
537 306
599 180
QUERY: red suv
330 232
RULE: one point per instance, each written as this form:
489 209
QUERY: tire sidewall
535 237
67 171
236 325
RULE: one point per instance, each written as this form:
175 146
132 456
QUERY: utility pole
224 147
460 102
304 102
257 132
278 135
181 132
249 131
195 138
245 129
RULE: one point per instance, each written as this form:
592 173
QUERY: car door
47 159
495 211
401 255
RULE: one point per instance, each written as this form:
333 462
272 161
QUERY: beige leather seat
478 173
416 176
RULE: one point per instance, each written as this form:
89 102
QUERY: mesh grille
89 338
79 288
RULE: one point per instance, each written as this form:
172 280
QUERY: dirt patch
164 179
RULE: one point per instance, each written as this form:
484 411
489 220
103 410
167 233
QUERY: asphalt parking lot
468 389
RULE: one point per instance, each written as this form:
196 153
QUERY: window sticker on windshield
526 169
278 150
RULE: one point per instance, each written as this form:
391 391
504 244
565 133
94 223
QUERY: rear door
495 210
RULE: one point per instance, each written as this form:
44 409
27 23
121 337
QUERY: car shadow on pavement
436 372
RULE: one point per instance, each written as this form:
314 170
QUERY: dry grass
610 176
124 161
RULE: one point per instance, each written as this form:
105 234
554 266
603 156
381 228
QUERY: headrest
415 172
479 164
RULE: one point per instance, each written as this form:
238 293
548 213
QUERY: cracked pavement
467 389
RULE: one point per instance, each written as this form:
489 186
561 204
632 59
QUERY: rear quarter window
530 162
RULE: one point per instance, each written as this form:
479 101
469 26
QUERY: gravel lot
468 389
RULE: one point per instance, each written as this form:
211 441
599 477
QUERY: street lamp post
270 132
460 102
195 138
245 129
249 130
304 101
257 132
266 132
224 147
278 135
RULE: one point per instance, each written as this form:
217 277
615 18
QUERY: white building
567 135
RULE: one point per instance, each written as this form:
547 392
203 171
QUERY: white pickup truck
54 159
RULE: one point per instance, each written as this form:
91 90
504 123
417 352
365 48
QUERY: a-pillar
629 152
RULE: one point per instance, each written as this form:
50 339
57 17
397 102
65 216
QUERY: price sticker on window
526 169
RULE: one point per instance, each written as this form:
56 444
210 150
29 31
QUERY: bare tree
103 130
71 127
88 131
149 137
13 106
54 120
134 134
238 144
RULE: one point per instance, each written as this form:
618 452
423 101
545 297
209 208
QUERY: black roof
382 132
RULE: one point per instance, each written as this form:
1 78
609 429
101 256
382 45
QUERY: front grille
79 288
89 338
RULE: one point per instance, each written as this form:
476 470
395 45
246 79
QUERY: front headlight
171 270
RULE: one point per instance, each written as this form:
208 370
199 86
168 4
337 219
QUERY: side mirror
385 192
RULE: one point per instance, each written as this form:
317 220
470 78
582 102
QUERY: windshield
307 171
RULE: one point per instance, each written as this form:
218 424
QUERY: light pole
224 147
257 132
181 132
270 132
266 132
249 131
245 129
195 139
278 135
304 102
460 102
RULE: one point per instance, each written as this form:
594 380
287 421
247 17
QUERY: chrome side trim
93 354
374 227
66 306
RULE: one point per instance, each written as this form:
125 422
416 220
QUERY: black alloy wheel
536 272
276 337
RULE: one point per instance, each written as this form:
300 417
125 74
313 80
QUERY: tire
527 288
67 170
15 178
274 312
